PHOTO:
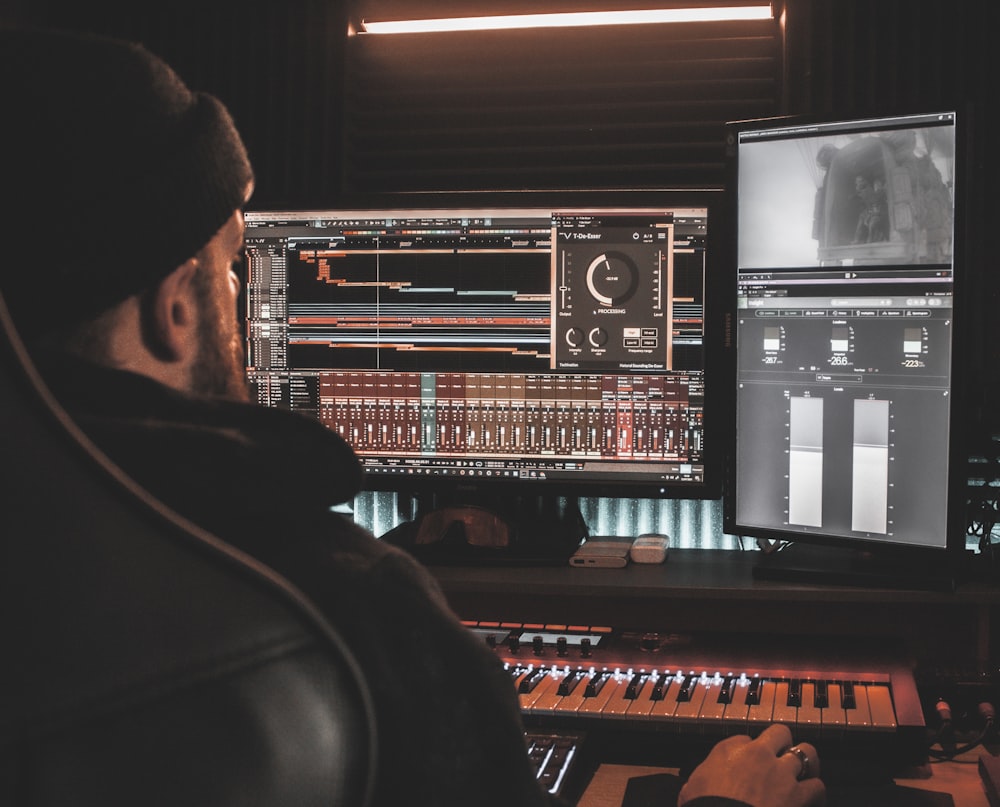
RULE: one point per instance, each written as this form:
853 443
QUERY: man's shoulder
153 430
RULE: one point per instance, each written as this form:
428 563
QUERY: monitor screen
548 348
845 327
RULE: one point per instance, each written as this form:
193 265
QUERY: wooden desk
959 779
699 590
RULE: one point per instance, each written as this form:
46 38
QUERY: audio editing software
516 343
845 327
840 387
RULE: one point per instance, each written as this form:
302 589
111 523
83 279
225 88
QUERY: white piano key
880 704
783 713
834 714
808 713
691 709
763 711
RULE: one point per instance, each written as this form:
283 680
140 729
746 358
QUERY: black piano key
568 684
847 697
596 684
794 692
726 690
662 682
635 686
821 698
684 693
529 682
753 692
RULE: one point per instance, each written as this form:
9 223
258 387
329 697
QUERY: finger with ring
803 758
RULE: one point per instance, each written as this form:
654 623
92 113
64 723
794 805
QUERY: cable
946 733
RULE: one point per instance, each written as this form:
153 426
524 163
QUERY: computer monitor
529 347
846 326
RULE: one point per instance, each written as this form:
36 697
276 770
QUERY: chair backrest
145 661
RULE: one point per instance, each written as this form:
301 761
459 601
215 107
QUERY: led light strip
570 19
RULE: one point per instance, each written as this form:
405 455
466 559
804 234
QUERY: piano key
547 686
667 705
726 693
531 680
763 710
808 713
573 701
603 691
859 716
644 701
661 685
517 673
625 694
784 711
690 708
834 713
597 682
635 683
713 706
687 687
565 680
822 698
571 681
880 704
738 709
848 697
795 692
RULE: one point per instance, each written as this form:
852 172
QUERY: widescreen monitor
847 323
531 347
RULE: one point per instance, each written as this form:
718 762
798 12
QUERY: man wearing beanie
126 191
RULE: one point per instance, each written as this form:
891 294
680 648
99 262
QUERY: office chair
145 661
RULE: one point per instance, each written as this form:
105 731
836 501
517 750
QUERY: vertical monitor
845 329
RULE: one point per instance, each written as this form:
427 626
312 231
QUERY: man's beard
218 369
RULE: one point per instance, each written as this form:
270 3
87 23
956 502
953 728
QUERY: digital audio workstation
845 326
547 347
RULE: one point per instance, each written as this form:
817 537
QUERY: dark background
328 116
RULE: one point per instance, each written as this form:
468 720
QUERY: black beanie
114 174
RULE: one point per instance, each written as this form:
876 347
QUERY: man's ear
171 315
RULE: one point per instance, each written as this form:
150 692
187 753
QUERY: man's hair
114 174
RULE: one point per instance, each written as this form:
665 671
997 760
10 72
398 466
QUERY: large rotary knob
612 278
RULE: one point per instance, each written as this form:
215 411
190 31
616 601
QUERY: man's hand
766 772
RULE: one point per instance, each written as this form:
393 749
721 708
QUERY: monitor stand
813 564
491 529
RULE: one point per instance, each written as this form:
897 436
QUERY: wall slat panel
639 106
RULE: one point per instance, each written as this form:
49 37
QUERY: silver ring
803 761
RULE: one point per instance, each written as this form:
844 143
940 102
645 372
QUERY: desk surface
959 779
702 574
699 590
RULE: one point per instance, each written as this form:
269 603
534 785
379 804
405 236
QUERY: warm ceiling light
642 16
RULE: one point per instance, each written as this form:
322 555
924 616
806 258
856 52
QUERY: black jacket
265 480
